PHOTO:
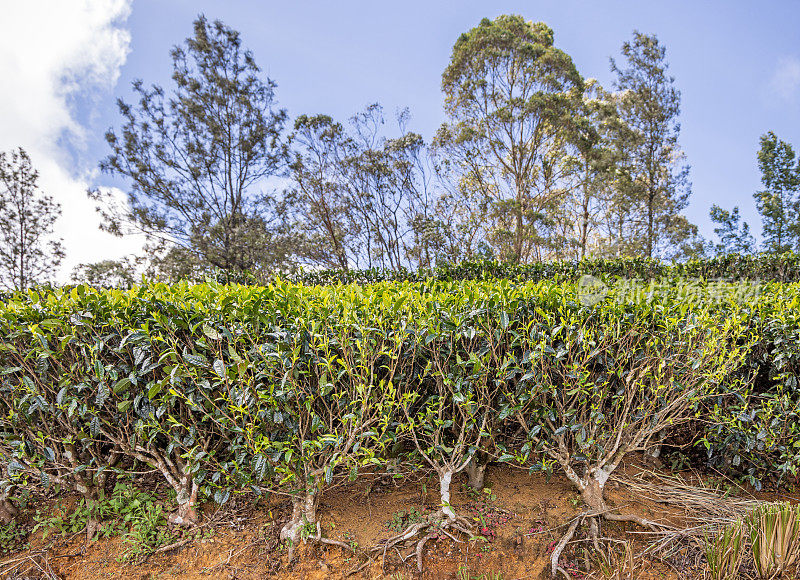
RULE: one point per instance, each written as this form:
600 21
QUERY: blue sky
737 65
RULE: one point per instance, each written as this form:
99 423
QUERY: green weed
402 519
465 574
12 537
134 514
725 552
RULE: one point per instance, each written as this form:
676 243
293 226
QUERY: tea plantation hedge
732 267
287 388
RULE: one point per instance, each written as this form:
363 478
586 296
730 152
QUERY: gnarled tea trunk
91 487
592 493
185 515
476 472
444 494
591 487
92 497
8 511
653 453
304 510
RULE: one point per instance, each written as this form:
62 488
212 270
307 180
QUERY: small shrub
148 531
402 519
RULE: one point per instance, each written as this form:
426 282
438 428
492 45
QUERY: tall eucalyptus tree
510 97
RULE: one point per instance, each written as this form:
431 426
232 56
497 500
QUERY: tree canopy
28 251
533 163
655 184
510 97
778 203
198 157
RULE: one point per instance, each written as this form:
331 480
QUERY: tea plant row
285 388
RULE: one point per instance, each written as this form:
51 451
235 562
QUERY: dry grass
706 510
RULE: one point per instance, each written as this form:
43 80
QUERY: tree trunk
653 453
444 494
92 498
91 491
8 511
476 473
304 511
185 515
592 494
584 233
650 232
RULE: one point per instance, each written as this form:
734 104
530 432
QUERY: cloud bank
786 79
57 58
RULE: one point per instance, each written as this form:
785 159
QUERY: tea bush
764 267
224 388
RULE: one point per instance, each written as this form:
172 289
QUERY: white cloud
54 54
785 81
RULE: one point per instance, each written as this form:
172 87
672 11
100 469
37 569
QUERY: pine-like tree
656 187
28 253
778 202
197 157
733 234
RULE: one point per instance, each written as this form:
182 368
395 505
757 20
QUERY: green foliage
728 267
464 573
778 203
196 156
12 537
654 188
358 197
402 519
227 388
136 515
734 237
147 531
511 98
107 273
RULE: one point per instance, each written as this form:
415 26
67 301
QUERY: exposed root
436 523
358 569
420 547
593 517
174 545
304 511
654 526
185 516
319 539
35 562
290 552
556 555
329 541
594 532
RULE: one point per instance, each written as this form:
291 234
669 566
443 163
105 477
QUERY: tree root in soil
441 522
593 518
320 540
